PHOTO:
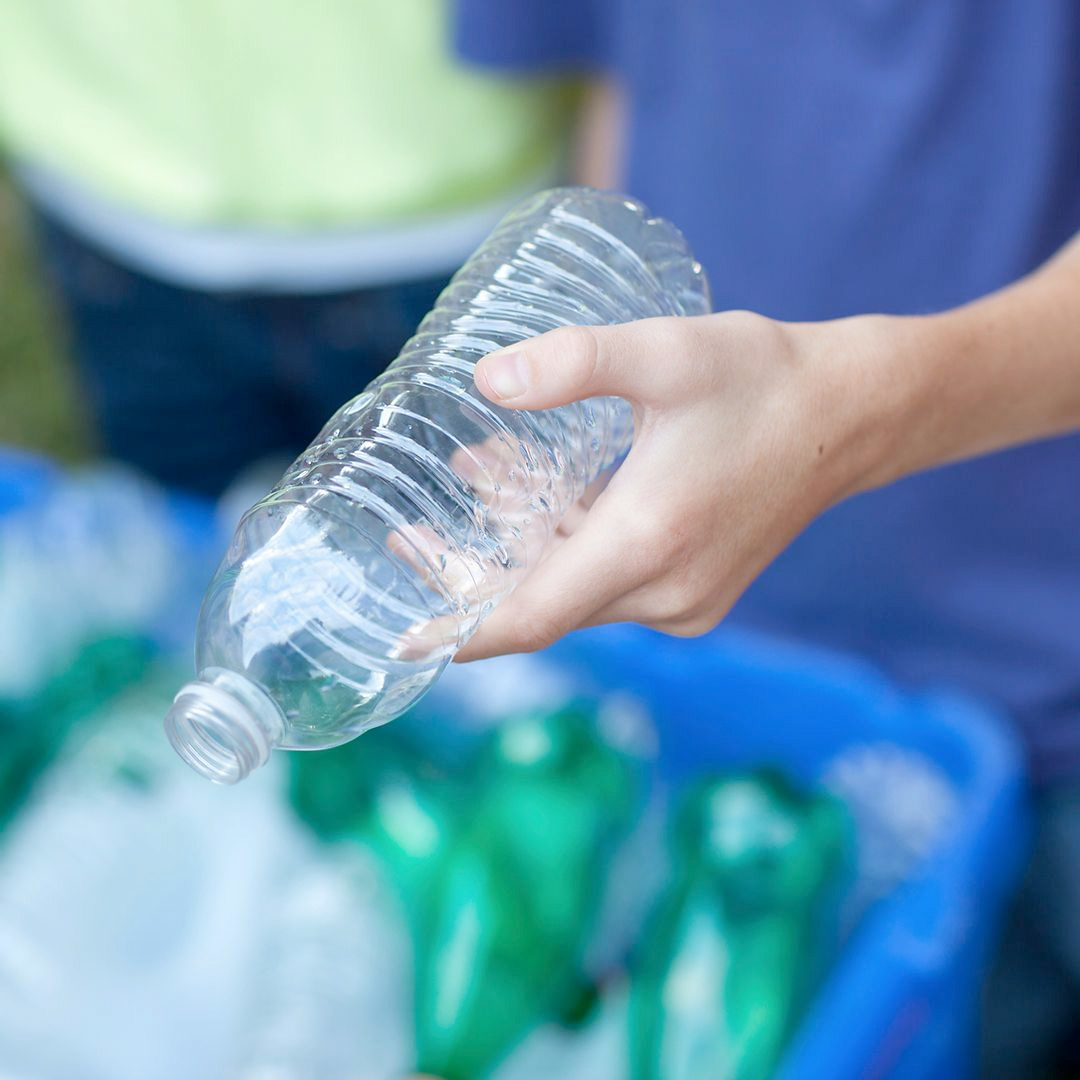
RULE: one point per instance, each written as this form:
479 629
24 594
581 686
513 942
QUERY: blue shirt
846 156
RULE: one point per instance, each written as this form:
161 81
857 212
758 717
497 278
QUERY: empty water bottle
420 504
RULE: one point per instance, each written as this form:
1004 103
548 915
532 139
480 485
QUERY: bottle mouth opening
223 726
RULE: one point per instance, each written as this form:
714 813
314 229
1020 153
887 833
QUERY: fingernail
506 375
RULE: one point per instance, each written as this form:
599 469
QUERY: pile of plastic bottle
494 885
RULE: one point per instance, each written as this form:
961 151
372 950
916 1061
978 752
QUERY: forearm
995 373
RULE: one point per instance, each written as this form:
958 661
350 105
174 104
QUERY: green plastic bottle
34 729
382 793
512 910
335 794
739 937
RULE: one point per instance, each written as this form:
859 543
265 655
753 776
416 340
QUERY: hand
745 430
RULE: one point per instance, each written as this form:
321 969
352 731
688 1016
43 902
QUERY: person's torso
902 156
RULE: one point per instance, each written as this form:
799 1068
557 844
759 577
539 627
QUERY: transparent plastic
420 505
330 991
93 555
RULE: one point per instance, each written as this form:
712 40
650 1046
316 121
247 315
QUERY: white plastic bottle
332 999
130 901
421 504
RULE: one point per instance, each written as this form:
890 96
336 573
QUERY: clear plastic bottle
420 505
331 992
95 555
131 897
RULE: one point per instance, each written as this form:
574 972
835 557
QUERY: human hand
745 430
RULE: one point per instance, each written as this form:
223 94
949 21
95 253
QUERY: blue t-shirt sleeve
531 35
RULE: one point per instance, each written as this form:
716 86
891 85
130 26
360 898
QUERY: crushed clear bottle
421 504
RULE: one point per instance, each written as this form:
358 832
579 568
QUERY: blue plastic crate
28 480
24 478
902 999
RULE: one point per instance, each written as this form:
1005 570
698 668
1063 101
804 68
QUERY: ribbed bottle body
421 504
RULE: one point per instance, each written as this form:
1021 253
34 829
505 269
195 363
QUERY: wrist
875 379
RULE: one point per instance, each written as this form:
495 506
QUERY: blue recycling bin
28 480
902 999
24 478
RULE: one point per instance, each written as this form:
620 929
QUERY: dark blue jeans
191 387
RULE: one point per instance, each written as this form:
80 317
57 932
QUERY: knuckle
684 616
535 630
656 558
647 549
691 627
678 603
666 604
577 351
665 367
668 543
672 332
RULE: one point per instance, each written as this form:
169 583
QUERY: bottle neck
223 725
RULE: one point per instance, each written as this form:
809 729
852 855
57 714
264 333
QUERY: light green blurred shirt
264 114
265 111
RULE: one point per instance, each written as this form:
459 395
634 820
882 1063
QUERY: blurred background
629 857
41 406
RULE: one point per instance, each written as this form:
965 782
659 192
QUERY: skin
747 429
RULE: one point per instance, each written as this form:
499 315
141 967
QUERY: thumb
576 362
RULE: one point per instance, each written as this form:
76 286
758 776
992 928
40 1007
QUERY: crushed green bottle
34 729
382 792
513 907
739 937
